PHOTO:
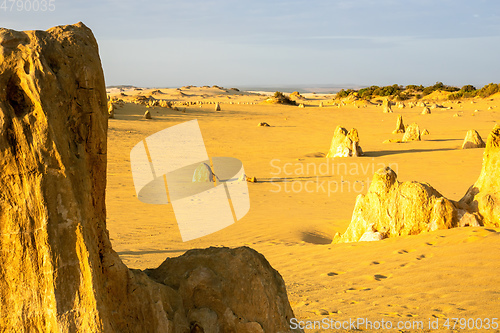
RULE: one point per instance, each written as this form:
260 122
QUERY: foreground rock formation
391 208
58 272
345 144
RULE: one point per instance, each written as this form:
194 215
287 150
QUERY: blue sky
271 43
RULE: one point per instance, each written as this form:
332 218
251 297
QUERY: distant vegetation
280 98
469 91
401 93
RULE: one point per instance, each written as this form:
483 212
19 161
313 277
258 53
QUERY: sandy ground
302 199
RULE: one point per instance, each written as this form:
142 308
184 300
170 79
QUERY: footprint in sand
380 277
404 251
407 264
322 312
354 289
423 256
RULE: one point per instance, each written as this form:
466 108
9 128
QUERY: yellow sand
439 275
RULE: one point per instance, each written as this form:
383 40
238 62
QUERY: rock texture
473 140
391 208
58 272
400 126
386 106
217 107
412 133
345 144
231 279
483 197
204 174
111 110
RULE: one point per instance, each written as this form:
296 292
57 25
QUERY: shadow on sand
395 152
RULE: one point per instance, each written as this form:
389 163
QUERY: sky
267 43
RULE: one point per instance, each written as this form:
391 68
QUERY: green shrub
489 90
281 98
468 88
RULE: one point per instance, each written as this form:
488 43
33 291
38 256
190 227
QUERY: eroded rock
386 106
400 126
345 144
473 140
391 208
58 271
412 133
483 197
218 287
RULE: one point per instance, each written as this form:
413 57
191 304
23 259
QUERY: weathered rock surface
217 107
426 110
219 286
58 272
483 197
111 110
391 208
203 174
473 140
345 144
147 115
412 133
386 106
400 126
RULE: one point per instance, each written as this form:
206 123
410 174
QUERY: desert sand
293 217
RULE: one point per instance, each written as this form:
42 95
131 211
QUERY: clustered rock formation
426 110
58 271
345 144
412 133
391 208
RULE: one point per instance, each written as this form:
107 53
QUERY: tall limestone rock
58 272
391 208
484 196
